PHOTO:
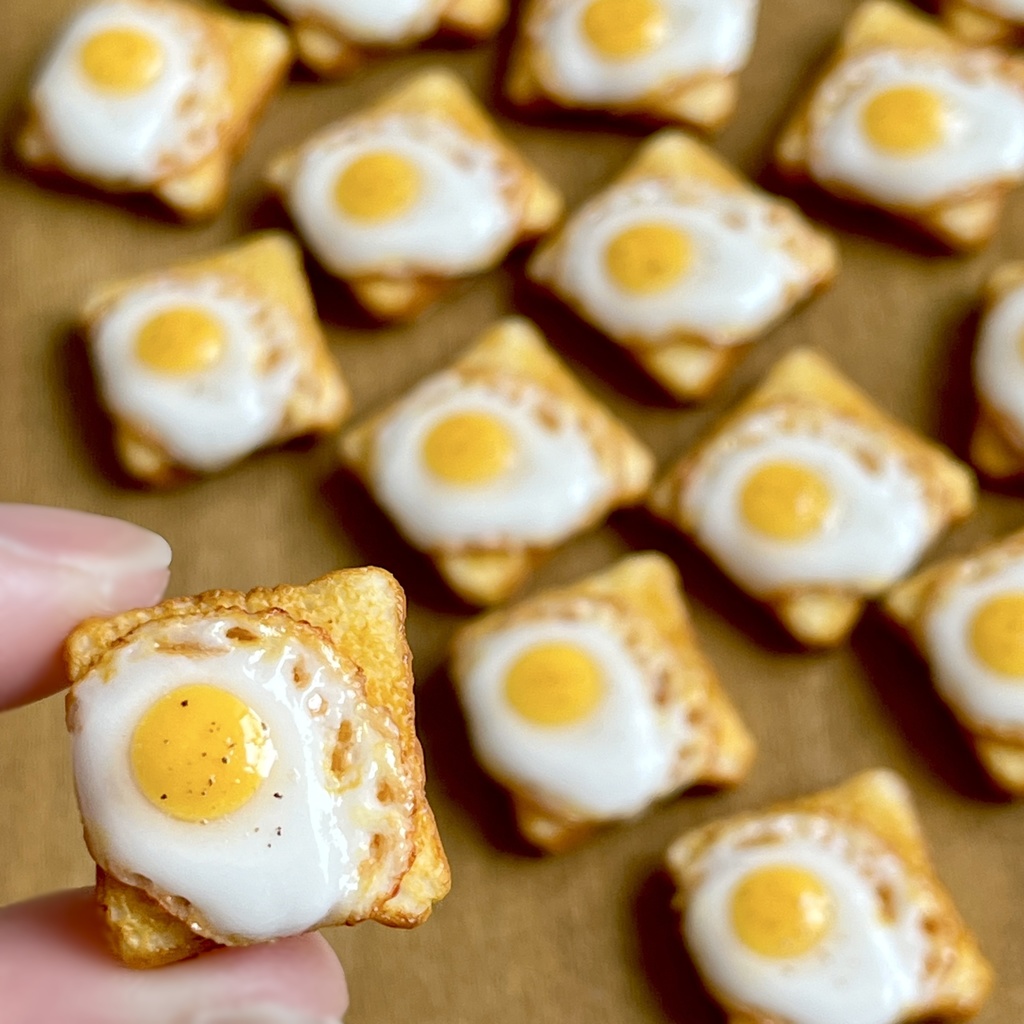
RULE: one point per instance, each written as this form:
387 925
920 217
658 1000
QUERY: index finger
58 567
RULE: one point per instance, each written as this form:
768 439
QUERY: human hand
57 568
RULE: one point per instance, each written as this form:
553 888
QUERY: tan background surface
587 936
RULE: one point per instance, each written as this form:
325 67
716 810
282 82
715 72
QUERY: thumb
56 568
55 966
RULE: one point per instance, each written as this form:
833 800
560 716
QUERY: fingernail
58 567
258 1015
81 541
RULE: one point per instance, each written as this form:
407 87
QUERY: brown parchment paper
588 936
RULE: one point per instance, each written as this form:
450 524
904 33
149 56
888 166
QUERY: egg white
610 765
209 419
243 877
139 138
742 275
463 221
999 360
703 37
877 528
552 488
985 698
370 22
984 144
866 971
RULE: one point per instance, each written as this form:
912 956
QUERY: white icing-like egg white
135 136
370 22
875 527
463 216
986 696
692 38
871 965
208 418
742 271
610 764
977 139
305 846
999 360
549 489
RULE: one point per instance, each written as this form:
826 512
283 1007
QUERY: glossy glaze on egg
370 22
134 91
200 365
405 194
653 259
230 766
483 464
566 706
800 497
805 919
593 52
911 130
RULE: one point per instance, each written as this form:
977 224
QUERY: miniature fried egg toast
335 36
591 702
488 465
812 499
684 263
826 908
153 96
418 190
997 446
910 121
665 60
965 615
202 364
985 22
247 766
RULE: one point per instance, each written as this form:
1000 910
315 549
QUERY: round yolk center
199 753
122 60
648 258
781 911
905 120
785 501
377 187
622 29
469 448
180 341
997 634
554 684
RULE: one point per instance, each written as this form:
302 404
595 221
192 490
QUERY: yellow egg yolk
122 60
180 341
781 911
377 187
554 684
469 448
997 634
905 120
199 753
623 29
648 258
785 501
